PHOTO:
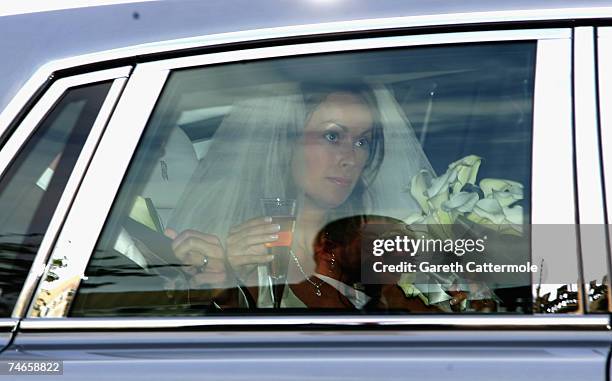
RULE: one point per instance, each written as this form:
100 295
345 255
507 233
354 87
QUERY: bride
339 152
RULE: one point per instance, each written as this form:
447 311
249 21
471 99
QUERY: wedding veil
404 158
249 158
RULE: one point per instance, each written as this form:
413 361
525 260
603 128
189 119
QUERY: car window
344 182
33 184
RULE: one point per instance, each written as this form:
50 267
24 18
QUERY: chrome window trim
552 113
42 256
604 55
359 44
590 193
552 142
27 127
8 328
552 122
104 176
415 322
588 180
604 32
8 325
45 72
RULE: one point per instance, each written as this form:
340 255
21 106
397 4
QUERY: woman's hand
246 245
202 255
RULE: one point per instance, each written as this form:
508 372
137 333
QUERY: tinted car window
266 185
35 180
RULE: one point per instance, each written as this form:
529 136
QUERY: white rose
466 169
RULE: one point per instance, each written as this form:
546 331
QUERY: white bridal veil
404 158
249 158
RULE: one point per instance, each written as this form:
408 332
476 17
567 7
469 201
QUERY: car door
44 155
103 306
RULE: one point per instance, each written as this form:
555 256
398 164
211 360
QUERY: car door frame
143 89
603 46
27 127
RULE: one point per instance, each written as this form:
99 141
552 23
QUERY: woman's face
333 150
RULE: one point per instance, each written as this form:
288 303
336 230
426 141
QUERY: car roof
35 39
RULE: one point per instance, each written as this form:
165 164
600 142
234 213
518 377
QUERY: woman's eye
331 137
363 142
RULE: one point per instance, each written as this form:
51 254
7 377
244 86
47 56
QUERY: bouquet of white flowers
452 199
455 194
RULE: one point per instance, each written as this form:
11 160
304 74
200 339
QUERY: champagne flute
282 212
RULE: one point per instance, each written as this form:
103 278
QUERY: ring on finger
204 264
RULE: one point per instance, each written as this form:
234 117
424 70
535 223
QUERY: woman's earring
333 262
